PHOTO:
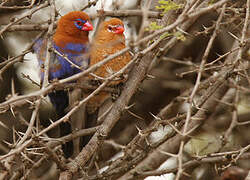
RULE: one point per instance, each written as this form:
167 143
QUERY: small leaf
167 5
164 35
180 36
153 26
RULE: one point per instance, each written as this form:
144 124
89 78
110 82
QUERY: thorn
191 130
147 142
28 101
218 54
12 111
13 94
161 49
14 136
182 31
235 37
8 144
130 106
131 53
66 119
155 117
135 115
22 133
169 154
205 28
175 129
26 157
50 120
140 131
150 76
2 124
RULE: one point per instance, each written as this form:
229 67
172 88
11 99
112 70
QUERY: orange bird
109 40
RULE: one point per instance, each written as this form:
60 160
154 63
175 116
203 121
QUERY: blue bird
71 40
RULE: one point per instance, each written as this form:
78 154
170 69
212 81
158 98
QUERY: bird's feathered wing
60 68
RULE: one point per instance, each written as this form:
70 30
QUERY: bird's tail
60 101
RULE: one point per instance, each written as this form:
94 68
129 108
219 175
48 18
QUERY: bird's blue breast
75 47
59 67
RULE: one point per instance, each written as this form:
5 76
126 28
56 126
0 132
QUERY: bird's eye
79 23
110 29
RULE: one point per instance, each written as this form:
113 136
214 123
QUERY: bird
71 40
109 39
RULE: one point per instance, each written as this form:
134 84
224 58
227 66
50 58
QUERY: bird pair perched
71 40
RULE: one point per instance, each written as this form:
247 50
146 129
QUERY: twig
28 15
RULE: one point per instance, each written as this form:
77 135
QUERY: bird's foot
117 91
95 82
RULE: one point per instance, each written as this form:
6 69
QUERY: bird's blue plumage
59 67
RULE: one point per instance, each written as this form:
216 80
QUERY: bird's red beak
87 26
119 30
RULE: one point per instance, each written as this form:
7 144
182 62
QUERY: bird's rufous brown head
111 30
114 25
75 24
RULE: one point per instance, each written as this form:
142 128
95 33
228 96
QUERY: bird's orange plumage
106 42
